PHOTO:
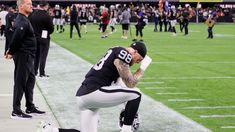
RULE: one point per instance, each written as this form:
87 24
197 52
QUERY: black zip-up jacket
23 39
41 20
74 16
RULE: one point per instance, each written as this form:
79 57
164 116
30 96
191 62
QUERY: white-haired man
22 49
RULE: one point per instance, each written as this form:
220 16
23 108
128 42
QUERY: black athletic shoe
134 39
20 115
121 119
135 125
44 75
34 110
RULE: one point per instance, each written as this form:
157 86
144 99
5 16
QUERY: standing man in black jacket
43 27
22 50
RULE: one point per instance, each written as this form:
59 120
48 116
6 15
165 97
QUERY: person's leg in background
78 31
44 48
71 30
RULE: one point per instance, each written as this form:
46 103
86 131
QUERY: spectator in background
172 18
140 25
105 21
155 18
43 27
10 21
186 18
74 21
210 23
125 21
22 50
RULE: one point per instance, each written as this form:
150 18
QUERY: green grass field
190 74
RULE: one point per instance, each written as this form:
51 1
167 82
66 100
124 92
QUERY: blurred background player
112 21
172 18
58 21
83 19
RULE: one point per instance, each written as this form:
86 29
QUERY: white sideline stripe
194 62
159 88
189 78
184 100
199 53
170 93
6 95
10 95
210 107
217 116
228 127
151 82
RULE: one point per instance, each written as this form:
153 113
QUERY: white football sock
126 128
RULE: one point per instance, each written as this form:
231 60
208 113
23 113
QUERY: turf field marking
199 78
151 82
194 31
194 62
148 78
228 127
217 116
224 35
185 100
149 88
211 107
170 93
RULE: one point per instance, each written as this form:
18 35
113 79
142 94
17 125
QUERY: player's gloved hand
145 63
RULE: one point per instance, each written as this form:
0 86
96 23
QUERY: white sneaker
124 37
44 127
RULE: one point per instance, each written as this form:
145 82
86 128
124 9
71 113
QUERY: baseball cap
140 47
43 3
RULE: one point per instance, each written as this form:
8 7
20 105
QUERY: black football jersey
58 13
173 14
104 72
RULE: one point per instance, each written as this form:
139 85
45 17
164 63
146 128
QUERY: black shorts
82 23
104 27
125 26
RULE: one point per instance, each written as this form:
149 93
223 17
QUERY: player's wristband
145 62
